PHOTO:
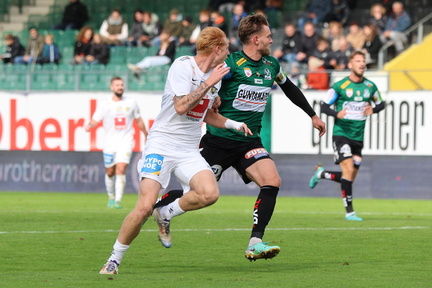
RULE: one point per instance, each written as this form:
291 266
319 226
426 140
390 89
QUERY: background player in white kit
118 113
172 147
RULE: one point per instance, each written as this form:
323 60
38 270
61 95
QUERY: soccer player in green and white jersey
352 97
244 94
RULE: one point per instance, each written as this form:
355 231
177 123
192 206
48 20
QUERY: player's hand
341 114
319 125
217 74
217 102
244 128
368 110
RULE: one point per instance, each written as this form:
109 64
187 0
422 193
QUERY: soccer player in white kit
172 146
118 113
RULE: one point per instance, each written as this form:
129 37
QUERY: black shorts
222 153
345 148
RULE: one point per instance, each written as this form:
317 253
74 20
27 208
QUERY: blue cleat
110 203
315 178
353 217
261 250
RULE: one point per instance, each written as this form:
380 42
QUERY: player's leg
321 173
109 164
120 183
264 173
132 224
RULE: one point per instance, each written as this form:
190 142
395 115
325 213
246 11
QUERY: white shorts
111 158
159 161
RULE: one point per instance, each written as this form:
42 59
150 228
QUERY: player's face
117 87
264 41
223 52
358 65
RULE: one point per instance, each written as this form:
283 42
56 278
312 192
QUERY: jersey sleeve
376 97
137 112
331 96
99 112
180 76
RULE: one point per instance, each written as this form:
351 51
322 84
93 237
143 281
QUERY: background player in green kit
352 97
244 94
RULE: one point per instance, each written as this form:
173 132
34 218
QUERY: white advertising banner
403 128
56 121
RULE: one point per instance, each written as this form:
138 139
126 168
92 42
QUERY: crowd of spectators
319 40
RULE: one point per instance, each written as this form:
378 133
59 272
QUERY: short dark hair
249 25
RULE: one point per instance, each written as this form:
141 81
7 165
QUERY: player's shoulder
342 83
369 83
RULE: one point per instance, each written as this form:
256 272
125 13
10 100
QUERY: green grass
63 239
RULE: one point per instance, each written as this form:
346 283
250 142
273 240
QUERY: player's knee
209 196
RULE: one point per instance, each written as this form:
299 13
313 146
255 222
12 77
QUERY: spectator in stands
82 44
114 30
335 30
316 12
340 12
204 21
341 50
51 52
186 32
238 13
323 52
355 36
99 52
296 77
317 78
152 28
74 16
372 44
173 24
34 48
378 17
165 55
136 34
397 23
218 20
291 44
307 42
12 50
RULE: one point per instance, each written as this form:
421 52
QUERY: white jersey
117 117
183 131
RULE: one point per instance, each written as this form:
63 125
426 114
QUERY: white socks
120 184
118 252
109 184
171 210
254 240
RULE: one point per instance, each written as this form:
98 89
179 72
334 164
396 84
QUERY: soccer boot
110 203
353 217
315 178
111 267
164 228
261 250
118 205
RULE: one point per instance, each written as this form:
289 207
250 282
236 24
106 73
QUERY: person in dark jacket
13 49
99 52
50 53
290 45
33 52
74 16
165 55
137 35
82 44
307 42
372 44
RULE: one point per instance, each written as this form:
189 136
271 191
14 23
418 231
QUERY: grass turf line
74 233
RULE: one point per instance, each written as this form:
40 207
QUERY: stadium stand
65 76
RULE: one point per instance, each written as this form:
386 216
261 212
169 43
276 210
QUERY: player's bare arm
216 120
187 102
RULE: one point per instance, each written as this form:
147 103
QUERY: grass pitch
63 239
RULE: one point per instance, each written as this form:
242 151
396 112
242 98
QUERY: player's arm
217 120
141 126
185 103
325 105
91 124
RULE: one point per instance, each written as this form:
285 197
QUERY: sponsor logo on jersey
152 164
198 111
248 72
366 93
368 83
256 153
345 84
349 92
358 93
266 62
267 74
258 81
241 61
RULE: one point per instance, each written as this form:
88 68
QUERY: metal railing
419 26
